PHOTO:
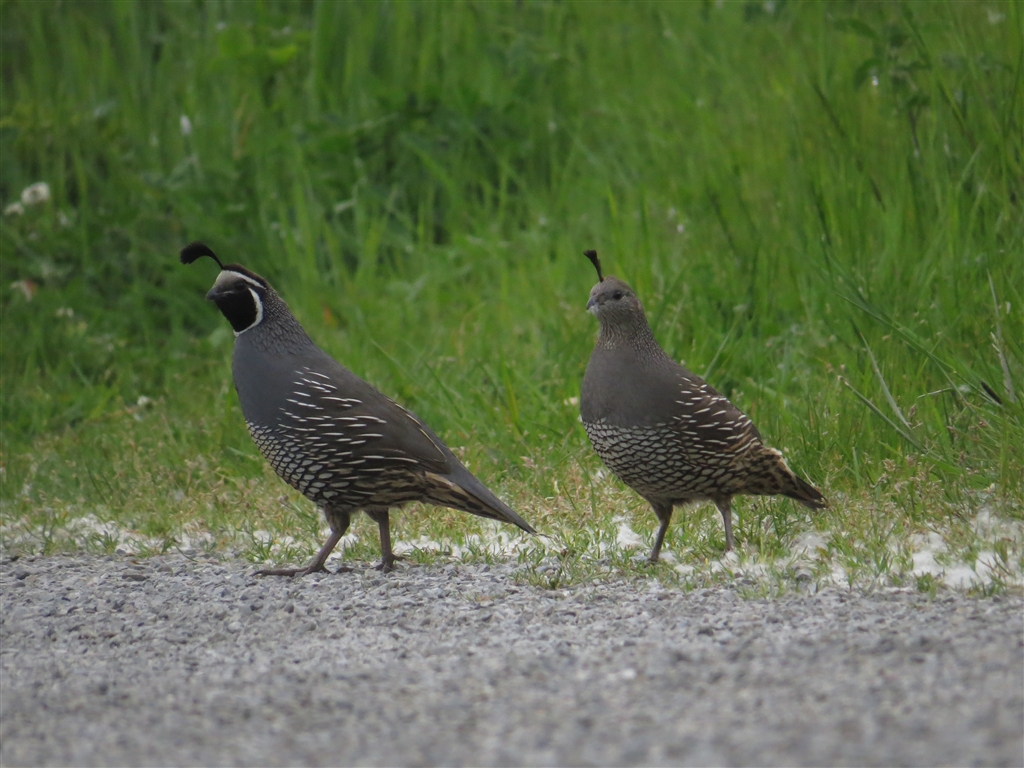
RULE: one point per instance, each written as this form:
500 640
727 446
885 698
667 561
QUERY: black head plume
196 250
591 254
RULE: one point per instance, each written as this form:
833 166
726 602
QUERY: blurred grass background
820 204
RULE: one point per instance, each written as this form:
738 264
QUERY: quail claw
387 565
290 571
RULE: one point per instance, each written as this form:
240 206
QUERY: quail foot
325 431
664 431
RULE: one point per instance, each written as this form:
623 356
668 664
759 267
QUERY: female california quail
663 430
327 432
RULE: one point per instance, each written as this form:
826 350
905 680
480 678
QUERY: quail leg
387 557
664 513
339 524
725 507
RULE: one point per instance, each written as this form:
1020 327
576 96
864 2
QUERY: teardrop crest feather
196 250
592 255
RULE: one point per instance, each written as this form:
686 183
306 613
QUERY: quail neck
622 318
628 369
270 344
258 316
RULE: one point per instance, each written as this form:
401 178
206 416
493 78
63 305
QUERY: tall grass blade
881 380
878 412
997 342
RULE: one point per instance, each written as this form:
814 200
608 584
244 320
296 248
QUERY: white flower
186 126
14 209
36 193
27 287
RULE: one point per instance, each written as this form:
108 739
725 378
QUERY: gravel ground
107 661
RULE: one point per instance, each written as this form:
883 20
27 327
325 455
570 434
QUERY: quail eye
617 295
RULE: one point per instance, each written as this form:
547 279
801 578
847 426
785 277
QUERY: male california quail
663 430
327 432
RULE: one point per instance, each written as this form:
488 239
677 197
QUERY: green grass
820 204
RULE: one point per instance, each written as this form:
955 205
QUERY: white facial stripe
228 274
259 309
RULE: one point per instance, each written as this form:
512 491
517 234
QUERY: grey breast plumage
660 428
663 430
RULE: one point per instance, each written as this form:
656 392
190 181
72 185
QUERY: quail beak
592 306
218 288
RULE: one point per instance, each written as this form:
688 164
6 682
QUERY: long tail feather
470 495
